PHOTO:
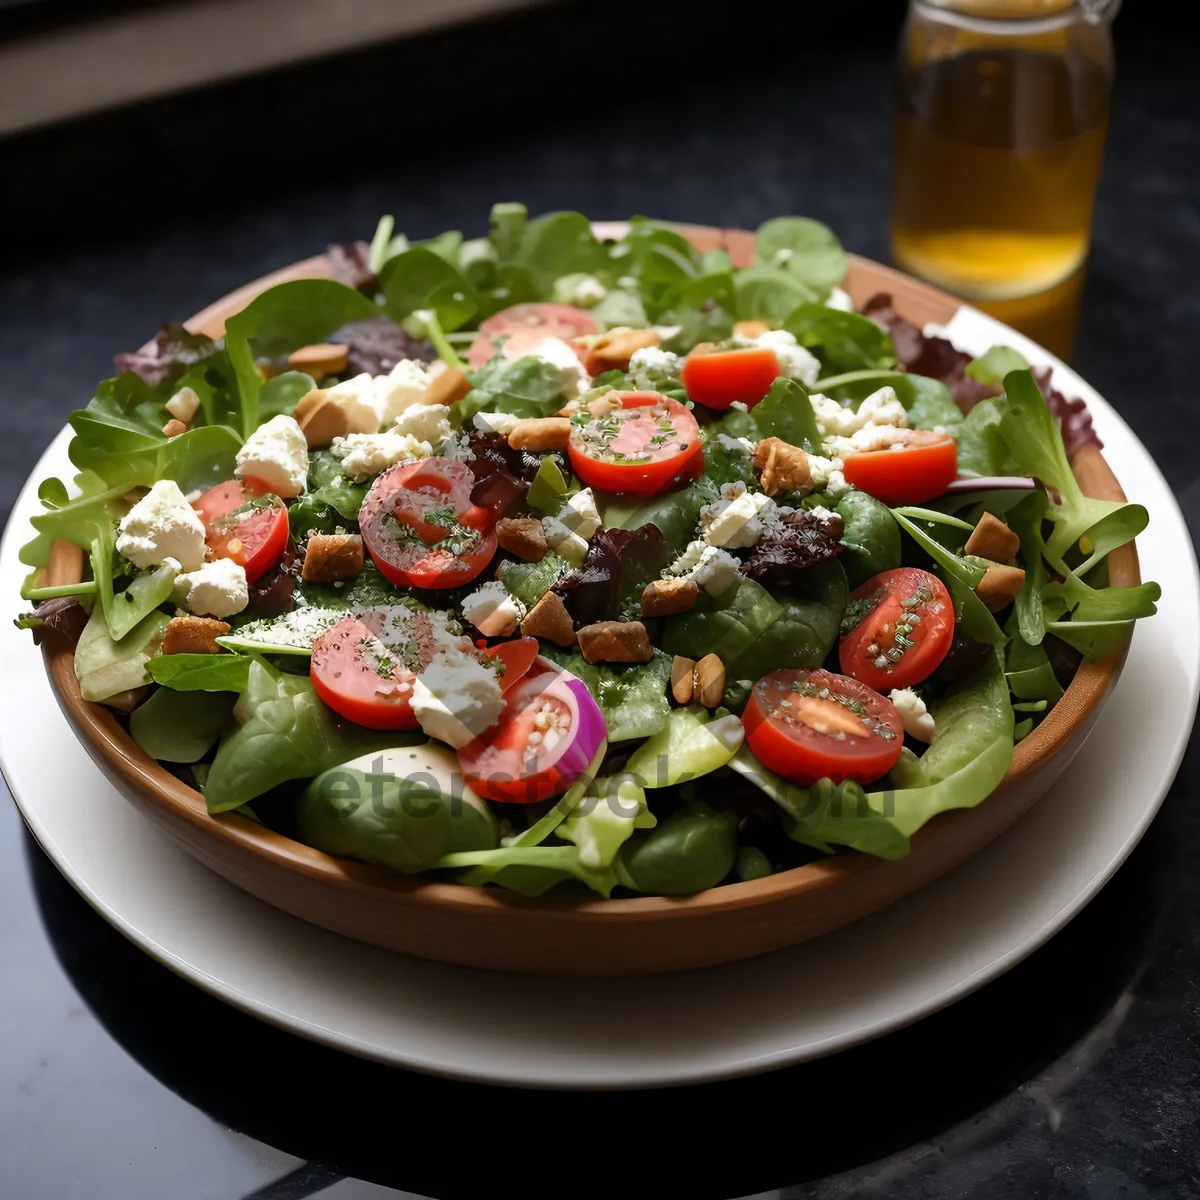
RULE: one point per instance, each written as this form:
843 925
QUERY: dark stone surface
1076 1075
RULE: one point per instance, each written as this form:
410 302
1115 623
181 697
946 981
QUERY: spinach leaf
674 513
284 318
785 412
702 308
689 852
282 393
180 727
992 366
105 667
871 537
805 248
632 697
560 243
727 625
1025 520
766 293
843 341
621 307
928 403
420 280
282 731
201 672
331 499
145 592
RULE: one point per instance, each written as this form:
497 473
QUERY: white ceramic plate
845 988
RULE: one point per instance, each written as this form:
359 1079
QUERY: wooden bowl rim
109 742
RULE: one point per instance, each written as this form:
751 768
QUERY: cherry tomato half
527 324
364 667
920 470
547 736
717 380
420 527
517 656
810 725
905 632
256 538
641 449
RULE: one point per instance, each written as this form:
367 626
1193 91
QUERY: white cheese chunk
795 361
738 519
827 475
558 353
581 291
495 422
404 386
426 422
493 610
456 698
917 720
564 541
649 366
276 454
711 568
183 405
839 299
215 589
162 524
365 455
356 398
581 516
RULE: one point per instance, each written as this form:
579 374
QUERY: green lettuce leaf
632 697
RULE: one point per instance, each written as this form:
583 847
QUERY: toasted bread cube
612 351
615 642
992 539
522 536
539 434
187 634
665 597
549 619
446 387
329 557
999 586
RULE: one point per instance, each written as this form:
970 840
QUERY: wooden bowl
553 935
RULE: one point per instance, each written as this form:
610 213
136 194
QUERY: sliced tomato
420 527
920 469
905 631
547 736
810 725
517 656
717 380
364 667
652 442
528 324
254 537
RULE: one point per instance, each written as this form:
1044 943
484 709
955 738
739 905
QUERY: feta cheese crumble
495 422
649 366
356 398
403 386
827 475
426 422
711 568
581 516
456 698
840 300
493 610
161 525
183 405
365 455
276 454
581 291
917 720
564 541
795 361
557 353
738 519
216 589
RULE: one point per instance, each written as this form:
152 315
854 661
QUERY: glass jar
1001 119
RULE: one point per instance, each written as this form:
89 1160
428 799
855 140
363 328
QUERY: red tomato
908 625
517 657
255 539
810 725
717 380
420 527
641 450
546 738
922 469
528 324
365 666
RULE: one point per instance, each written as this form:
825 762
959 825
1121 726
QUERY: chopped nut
329 557
549 619
710 681
999 586
446 387
522 536
664 597
751 329
173 428
538 434
320 359
783 467
193 635
992 539
612 351
615 641
702 348
322 419
683 679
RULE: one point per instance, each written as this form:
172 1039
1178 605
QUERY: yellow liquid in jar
997 157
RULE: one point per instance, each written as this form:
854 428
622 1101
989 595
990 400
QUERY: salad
539 561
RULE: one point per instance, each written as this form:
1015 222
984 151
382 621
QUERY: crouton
612 351
522 536
999 586
615 642
992 539
702 348
174 427
539 434
683 679
446 387
329 557
549 619
321 418
750 329
193 635
783 467
710 681
320 359
664 597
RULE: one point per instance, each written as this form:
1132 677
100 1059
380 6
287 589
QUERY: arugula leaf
992 366
281 319
967 573
180 727
843 341
145 592
805 248
632 697
202 672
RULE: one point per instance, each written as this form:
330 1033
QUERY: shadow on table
448 1139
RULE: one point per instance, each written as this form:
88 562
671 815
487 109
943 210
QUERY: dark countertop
1076 1075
